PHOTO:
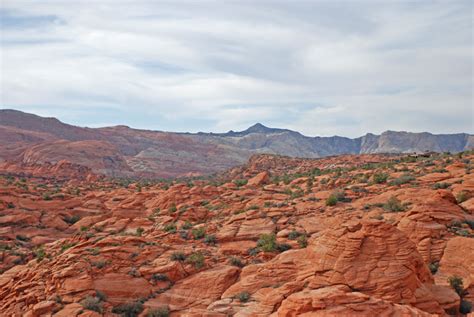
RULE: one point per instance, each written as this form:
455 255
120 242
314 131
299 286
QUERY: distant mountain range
123 151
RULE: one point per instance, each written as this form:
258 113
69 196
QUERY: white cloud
316 67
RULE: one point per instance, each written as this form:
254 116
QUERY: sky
318 67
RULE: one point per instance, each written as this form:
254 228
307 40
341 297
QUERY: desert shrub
159 277
178 256
235 261
331 201
433 266
393 205
140 231
379 178
243 297
92 303
129 309
282 247
72 219
66 246
22 238
302 241
99 264
462 196
198 233
267 242
441 185
170 228
240 182
159 312
253 251
465 307
470 223
293 235
253 207
404 179
101 296
40 254
172 208
210 239
456 283
10 205
196 259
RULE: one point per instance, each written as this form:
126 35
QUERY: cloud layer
319 67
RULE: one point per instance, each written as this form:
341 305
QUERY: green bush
178 256
240 182
235 261
331 201
198 233
267 242
210 239
92 303
159 312
129 309
433 266
101 296
159 277
404 179
465 307
243 297
170 228
302 241
40 254
72 219
282 247
196 259
380 178
456 283
393 205
461 197
441 185
140 231
293 235
172 208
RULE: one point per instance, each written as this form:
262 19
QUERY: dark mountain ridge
158 153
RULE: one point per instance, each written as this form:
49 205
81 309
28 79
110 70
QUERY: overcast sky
318 67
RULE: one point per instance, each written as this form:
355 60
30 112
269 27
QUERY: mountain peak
259 128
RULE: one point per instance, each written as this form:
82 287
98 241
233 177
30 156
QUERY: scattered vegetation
159 312
404 179
235 261
198 233
132 309
380 178
196 259
210 239
393 204
171 228
178 256
433 266
243 297
456 284
240 182
92 303
462 196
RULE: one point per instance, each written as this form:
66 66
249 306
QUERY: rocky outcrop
370 257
